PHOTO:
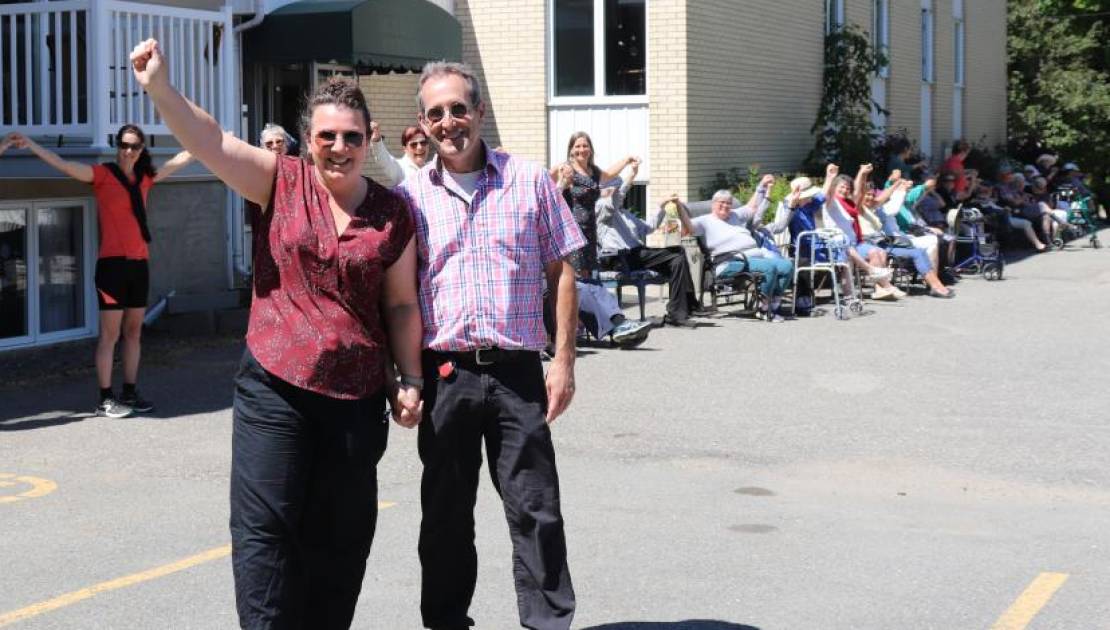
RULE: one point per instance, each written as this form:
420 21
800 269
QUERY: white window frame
959 59
880 39
323 71
88 245
880 36
928 74
599 97
834 16
928 43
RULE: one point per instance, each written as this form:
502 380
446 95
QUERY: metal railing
65 70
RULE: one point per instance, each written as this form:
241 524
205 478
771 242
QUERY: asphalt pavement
929 464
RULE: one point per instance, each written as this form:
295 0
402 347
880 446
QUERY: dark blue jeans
304 500
503 404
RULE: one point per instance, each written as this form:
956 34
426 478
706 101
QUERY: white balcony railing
65 70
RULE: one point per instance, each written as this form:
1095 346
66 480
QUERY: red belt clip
447 370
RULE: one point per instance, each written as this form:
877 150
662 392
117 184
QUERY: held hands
866 169
566 175
375 131
832 170
16 140
766 181
895 175
407 406
149 65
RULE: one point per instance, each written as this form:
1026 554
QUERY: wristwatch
411 381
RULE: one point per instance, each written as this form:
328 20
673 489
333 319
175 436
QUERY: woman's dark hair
144 165
409 133
574 138
338 91
898 144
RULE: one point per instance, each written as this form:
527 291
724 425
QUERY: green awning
380 34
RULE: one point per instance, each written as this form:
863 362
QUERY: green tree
845 133
1059 81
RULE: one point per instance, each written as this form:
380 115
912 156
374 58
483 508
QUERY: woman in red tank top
122 274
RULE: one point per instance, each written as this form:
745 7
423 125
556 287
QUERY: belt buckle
478 356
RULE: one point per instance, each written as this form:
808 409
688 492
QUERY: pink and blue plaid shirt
481 265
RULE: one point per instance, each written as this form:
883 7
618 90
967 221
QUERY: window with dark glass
625 64
574 47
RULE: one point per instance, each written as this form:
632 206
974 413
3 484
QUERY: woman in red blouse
122 273
334 308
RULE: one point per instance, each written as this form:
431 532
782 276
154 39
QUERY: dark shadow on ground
689 624
56 386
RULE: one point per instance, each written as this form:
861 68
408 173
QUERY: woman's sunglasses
274 143
456 110
418 143
130 146
353 139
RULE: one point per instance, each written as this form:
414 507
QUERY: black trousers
304 500
672 264
504 404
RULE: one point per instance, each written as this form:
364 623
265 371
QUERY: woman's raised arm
248 170
173 165
77 170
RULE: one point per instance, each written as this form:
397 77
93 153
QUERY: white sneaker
883 293
629 330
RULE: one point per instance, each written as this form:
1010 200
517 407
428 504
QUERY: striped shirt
481 264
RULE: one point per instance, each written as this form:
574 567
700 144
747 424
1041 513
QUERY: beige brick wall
668 119
392 100
944 56
985 95
754 85
505 42
904 84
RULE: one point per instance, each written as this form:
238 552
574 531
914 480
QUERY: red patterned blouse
315 320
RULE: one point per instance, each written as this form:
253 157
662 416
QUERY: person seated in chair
801 211
843 198
620 231
601 315
879 227
729 233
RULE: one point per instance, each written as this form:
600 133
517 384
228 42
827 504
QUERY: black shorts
121 283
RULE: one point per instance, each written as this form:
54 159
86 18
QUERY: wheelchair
985 256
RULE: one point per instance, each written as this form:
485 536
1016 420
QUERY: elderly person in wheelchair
730 237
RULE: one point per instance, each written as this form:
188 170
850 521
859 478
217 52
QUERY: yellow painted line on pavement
1030 602
39 487
61 601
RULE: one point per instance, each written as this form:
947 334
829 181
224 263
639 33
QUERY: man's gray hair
434 69
272 129
723 195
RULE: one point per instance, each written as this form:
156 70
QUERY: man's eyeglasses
418 143
438 113
130 146
353 139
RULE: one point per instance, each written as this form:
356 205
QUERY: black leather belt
487 356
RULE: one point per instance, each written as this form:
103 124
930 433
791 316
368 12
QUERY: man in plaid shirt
490 229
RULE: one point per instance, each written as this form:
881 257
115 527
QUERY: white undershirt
467 182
